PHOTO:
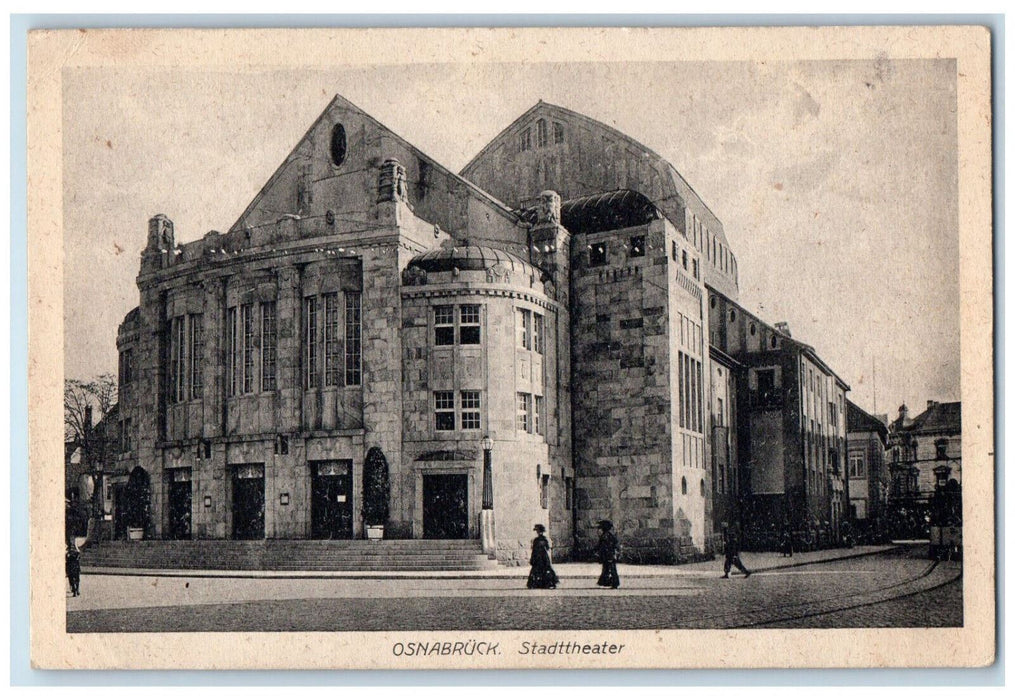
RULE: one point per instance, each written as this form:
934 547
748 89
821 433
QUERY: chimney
903 414
783 327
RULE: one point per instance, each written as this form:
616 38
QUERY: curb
508 574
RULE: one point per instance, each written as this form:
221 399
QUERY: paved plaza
862 587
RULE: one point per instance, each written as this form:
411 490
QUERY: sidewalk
755 561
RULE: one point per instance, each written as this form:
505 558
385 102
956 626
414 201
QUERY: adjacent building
867 470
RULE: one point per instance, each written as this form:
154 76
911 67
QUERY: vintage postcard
511 348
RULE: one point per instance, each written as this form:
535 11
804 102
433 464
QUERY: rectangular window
683 258
444 410
541 133
720 419
695 265
558 132
126 367
597 254
673 250
538 333
568 493
126 435
231 334
470 410
310 342
173 380
524 330
637 246
269 347
332 357
468 324
249 347
353 339
539 416
196 355
525 140
524 419
856 466
444 325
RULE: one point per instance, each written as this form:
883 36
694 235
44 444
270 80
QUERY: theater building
528 341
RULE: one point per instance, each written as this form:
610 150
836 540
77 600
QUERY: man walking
731 543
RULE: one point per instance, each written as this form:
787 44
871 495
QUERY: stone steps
292 555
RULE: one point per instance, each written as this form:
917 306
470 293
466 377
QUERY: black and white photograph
587 336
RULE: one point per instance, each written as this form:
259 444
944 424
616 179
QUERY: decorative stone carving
548 208
391 185
414 276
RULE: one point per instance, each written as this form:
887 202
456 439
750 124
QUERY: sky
836 181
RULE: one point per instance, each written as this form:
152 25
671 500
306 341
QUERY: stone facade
575 328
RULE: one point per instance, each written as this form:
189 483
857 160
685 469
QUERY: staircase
291 555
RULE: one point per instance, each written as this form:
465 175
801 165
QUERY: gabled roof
858 421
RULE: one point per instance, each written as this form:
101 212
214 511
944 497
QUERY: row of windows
448 416
465 328
340 343
599 254
525 137
251 345
717 253
186 357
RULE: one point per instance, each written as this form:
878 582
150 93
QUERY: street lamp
487 444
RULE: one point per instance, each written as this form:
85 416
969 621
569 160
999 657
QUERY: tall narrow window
524 329
539 416
269 347
468 324
249 347
231 344
444 410
443 325
525 140
353 331
196 355
524 421
681 389
470 410
176 378
332 366
538 333
541 133
309 342
558 132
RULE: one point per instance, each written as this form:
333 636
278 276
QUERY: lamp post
486 531
487 444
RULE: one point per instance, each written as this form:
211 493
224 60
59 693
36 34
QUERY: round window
338 144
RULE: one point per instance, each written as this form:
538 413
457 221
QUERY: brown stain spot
778 186
109 144
117 248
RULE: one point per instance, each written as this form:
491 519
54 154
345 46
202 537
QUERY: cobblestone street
895 588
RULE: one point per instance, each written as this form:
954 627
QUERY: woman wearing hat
542 574
607 551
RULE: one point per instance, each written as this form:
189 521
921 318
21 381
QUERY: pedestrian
607 551
787 540
731 543
541 575
74 569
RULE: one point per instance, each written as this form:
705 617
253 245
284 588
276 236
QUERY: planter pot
135 534
375 532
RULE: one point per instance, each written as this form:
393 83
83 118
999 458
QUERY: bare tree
81 398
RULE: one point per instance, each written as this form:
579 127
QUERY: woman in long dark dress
607 551
542 574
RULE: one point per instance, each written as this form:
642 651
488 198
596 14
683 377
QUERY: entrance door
248 502
446 506
331 500
179 505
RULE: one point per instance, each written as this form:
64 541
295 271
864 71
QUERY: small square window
597 254
637 246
